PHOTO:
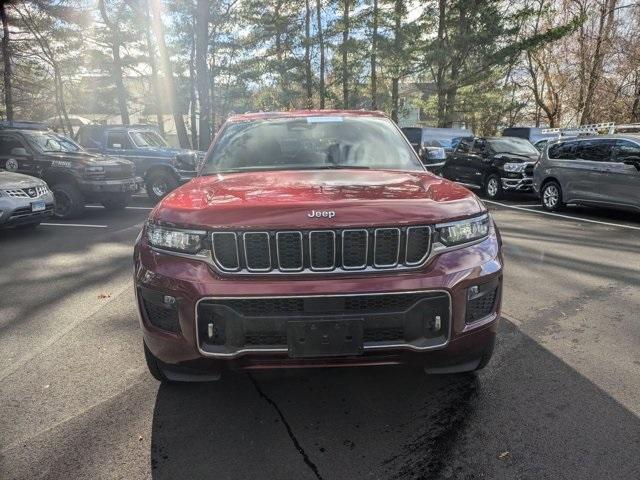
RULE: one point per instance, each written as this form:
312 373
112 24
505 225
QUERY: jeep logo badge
323 214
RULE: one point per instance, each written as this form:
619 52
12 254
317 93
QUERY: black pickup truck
74 175
493 165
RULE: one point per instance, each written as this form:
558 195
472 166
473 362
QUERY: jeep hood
284 199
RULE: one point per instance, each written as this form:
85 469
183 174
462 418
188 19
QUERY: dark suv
493 165
602 171
162 167
74 175
316 238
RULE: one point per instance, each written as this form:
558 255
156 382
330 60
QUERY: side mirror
430 155
19 152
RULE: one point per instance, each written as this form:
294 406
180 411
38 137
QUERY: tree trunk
345 67
155 86
158 27
59 87
635 108
202 73
397 50
193 99
440 79
307 54
374 54
6 56
116 69
321 45
605 27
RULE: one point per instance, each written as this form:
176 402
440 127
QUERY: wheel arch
52 178
162 168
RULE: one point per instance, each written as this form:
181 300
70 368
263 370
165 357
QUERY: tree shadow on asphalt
528 415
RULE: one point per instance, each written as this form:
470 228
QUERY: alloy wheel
492 187
551 196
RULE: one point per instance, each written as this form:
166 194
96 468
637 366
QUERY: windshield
149 138
52 142
519 146
311 143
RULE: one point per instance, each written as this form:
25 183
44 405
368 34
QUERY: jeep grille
298 251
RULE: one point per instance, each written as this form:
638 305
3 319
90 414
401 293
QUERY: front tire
159 184
117 201
551 196
69 200
493 187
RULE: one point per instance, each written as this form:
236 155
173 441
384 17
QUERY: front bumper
524 184
128 185
190 283
18 211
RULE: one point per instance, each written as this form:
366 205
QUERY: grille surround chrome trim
215 257
398 346
375 246
366 249
333 263
244 246
406 246
436 248
280 267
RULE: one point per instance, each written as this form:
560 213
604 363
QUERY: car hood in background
284 199
87 158
9 180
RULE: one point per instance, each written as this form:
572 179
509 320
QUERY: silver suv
24 201
602 171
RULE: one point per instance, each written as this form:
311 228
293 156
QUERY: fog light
169 301
473 292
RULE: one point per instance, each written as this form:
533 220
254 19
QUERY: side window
595 150
562 151
479 146
465 145
8 143
118 140
627 151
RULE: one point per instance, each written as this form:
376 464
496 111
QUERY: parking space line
128 208
569 217
73 225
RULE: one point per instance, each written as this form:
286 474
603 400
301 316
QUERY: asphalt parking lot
559 399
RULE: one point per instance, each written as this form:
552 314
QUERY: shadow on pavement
528 415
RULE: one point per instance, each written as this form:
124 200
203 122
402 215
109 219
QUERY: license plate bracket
38 206
325 338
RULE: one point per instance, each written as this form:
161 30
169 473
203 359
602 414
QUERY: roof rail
592 129
23 125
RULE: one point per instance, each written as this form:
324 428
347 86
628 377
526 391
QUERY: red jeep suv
316 239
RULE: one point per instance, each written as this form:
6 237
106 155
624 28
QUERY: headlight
187 241
465 231
513 167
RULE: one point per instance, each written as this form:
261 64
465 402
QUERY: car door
118 144
621 184
454 164
589 169
474 166
16 155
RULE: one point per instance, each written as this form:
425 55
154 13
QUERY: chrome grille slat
317 250
348 246
258 251
383 247
321 251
